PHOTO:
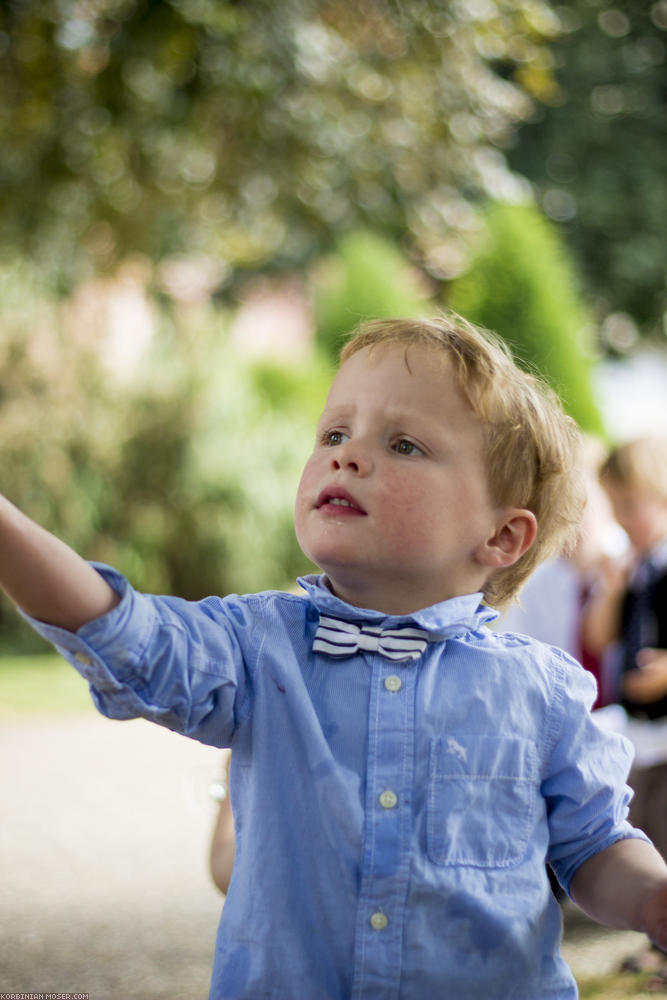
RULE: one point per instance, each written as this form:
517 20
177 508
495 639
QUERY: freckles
406 514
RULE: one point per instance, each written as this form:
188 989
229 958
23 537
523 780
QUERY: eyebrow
335 411
344 411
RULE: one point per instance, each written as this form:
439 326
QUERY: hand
612 574
649 682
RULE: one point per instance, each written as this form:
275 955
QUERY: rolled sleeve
585 788
163 659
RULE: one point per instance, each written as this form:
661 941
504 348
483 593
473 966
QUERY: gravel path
104 885
103 845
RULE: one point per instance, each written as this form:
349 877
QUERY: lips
335 500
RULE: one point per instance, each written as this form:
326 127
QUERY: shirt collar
444 620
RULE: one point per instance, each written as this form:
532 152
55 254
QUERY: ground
104 841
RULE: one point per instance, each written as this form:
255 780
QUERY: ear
514 534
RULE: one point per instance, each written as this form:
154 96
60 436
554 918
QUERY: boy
632 612
399 773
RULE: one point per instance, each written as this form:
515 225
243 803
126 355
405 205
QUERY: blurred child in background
628 615
552 603
630 611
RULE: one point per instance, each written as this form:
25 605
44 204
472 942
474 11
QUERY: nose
353 457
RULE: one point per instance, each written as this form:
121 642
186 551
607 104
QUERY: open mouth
335 500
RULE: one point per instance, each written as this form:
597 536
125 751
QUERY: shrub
366 278
522 285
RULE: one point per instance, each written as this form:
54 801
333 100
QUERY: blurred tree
58 428
523 286
367 276
183 478
254 133
597 154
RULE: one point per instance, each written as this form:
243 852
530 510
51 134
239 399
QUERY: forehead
631 494
407 369
397 379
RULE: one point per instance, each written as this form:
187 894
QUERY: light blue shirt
393 819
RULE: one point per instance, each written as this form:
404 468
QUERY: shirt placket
387 830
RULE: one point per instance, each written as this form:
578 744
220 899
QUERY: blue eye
405 447
333 438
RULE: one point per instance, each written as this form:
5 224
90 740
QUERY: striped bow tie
336 637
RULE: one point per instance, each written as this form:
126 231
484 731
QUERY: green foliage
254 132
208 469
58 429
522 286
366 278
253 135
298 388
183 478
598 157
245 460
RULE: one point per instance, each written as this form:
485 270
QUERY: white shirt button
83 658
388 800
393 683
379 921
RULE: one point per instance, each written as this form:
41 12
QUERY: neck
393 601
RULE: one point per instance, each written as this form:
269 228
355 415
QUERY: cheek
409 514
305 494
300 500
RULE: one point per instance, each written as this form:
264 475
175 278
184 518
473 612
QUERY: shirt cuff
107 650
566 872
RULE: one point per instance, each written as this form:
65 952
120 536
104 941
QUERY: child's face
642 516
393 504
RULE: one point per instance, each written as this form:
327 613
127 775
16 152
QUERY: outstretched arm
625 886
46 578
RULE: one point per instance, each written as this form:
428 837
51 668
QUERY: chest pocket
481 800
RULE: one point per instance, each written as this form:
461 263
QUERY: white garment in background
548 607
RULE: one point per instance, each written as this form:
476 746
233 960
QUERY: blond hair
532 447
640 464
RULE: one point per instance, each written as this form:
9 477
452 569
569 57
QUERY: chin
333 565
324 552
